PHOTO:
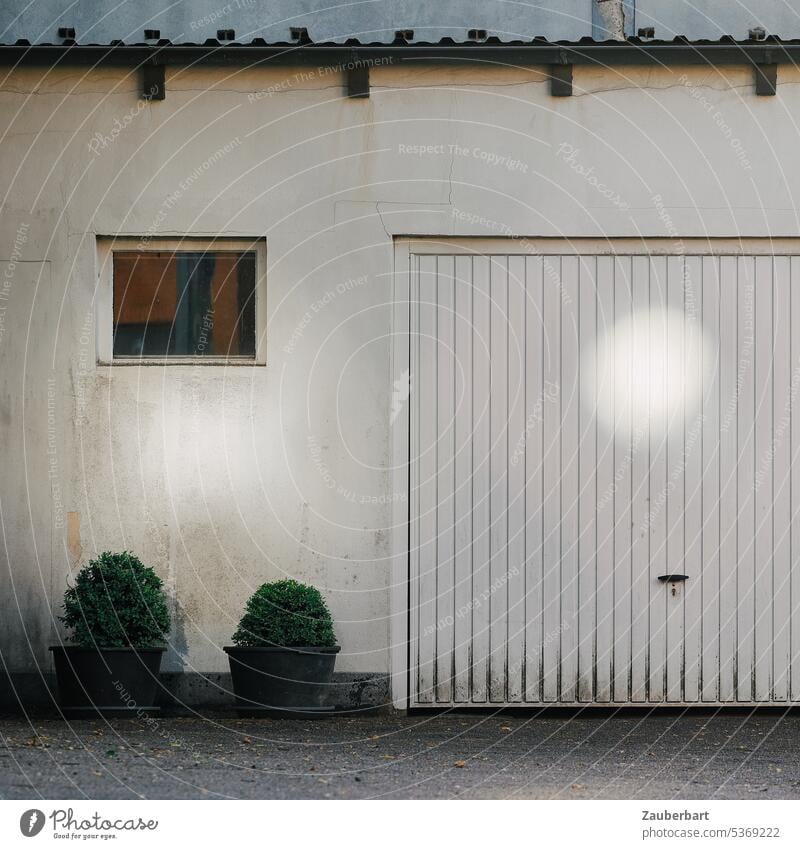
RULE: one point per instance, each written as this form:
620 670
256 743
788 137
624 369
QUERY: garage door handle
671 579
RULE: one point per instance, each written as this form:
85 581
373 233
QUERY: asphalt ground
622 755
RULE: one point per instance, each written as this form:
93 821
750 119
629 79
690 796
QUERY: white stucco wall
223 478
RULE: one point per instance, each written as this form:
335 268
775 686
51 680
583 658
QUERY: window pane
184 304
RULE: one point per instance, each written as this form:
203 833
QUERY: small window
195 304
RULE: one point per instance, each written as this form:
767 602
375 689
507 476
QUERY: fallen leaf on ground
460 764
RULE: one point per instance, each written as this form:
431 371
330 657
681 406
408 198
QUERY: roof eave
726 52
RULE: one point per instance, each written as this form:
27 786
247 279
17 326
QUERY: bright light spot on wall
650 368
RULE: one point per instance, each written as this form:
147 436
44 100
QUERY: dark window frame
110 247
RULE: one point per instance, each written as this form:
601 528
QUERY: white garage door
581 427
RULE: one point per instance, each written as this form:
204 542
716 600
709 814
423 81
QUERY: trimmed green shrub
116 602
285 613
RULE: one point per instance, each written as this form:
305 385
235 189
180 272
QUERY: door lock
674 580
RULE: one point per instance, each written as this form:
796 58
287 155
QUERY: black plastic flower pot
110 681
288 682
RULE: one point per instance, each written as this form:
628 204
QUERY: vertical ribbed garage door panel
693 484
427 500
794 591
463 359
570 479
763 482
498 479
515 591
587 482
604 577
745 478
728 499
782 517
481 451
547 493
532 461
551 467
640 503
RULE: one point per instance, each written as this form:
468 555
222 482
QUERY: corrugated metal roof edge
492 41
537 51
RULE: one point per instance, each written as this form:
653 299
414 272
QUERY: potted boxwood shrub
118 615
284 653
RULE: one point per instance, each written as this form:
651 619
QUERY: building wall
196 20
377 20
714 18
223 478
